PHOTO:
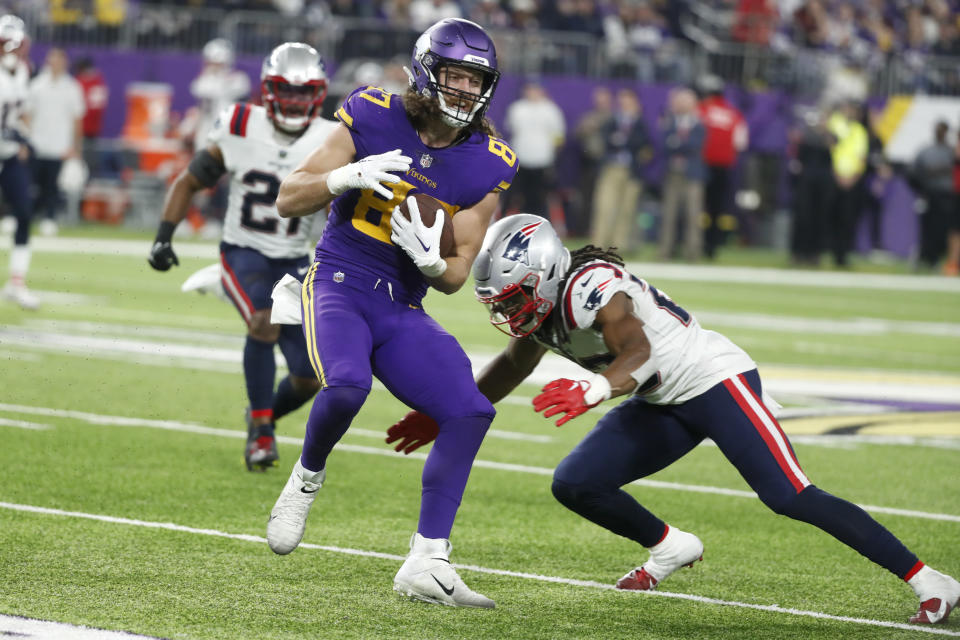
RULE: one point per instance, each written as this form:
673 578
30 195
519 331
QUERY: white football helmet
293 84
218 51
518 272
12 35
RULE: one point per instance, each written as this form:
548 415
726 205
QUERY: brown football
428 206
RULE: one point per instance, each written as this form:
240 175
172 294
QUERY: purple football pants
358 326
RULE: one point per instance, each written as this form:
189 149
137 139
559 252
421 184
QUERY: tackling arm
625 338
509 368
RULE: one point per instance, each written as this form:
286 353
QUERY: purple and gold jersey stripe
310 321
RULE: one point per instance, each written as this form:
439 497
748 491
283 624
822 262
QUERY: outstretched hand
413 431
564 396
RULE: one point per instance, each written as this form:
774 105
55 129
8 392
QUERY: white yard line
772 608
650 270
18 627
171 425
828 383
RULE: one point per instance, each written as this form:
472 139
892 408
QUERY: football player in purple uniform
684 384
361 300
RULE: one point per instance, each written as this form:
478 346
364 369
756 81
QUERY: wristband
435 270
599 390
165 232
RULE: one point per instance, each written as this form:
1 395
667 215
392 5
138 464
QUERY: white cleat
22 296
288 518
428 576
677 549
8 225
939 595
48 227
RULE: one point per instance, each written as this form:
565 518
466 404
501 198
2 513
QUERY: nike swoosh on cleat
304 490
442 559
449 591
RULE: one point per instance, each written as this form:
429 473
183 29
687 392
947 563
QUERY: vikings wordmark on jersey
459 176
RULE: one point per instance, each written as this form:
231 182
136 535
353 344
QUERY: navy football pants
637 439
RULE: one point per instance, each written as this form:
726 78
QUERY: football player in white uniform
258 146
683 384
14 155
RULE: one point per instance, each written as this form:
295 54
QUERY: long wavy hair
421 110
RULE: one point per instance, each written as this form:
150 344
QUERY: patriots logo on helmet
593 300
516 249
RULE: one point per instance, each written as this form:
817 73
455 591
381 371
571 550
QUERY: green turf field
125 503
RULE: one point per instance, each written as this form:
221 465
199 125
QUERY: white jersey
690 360
13 98
258 158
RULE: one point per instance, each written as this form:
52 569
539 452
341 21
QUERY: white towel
286 301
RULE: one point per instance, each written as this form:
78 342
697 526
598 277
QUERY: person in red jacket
95 94
727 135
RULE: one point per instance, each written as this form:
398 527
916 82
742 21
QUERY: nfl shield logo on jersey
338 276
426 160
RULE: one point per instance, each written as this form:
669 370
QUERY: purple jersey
358 230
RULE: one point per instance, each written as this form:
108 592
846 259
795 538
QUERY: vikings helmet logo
517 246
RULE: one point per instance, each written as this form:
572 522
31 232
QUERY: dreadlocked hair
422 110
578 258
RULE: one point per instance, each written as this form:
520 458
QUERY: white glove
422 243
368 173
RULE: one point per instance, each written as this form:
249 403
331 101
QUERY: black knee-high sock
852 526
286 399
615 510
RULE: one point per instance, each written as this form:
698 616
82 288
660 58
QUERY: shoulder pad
588 290
362 101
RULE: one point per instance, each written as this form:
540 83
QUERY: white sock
930 583
19 263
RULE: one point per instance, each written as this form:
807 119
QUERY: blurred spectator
873 185
683 137
726 136
931 176
95 96
849 162
755 21
489 13
811 169
56 109
952 265
591 147
424 13
537 130
628 149
217 86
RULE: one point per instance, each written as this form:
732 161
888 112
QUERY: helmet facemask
518 310
292 106
12 36
293 84
454 113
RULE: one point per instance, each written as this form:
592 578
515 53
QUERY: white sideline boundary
772 608
171 425
20 626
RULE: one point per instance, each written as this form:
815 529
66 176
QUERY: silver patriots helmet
13 33
293 84
518 272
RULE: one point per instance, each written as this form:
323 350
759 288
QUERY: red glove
415 430
564 396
